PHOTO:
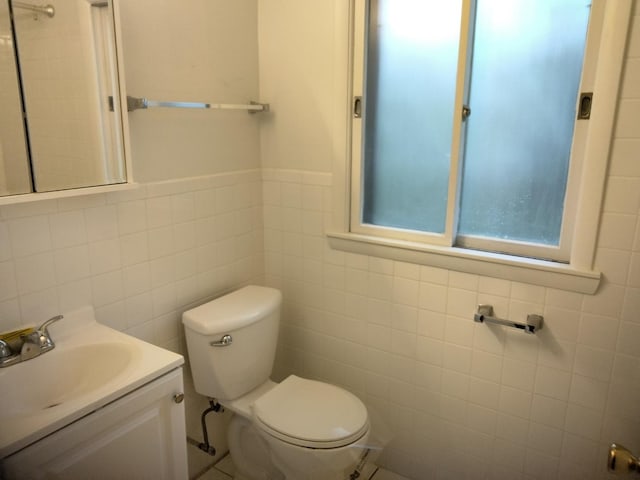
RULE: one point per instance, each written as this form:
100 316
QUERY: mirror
15 176
59 65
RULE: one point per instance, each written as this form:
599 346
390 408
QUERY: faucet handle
5 349
44 327
42 337
32 345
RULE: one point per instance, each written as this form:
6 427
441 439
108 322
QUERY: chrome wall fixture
621 461
485 314
134 103
49 10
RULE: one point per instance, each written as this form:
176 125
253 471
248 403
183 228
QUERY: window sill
519 269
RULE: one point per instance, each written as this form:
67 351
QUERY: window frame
357 128
589 175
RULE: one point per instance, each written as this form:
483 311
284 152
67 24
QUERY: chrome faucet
6 354
33 344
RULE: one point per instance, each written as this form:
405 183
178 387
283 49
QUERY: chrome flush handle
224 341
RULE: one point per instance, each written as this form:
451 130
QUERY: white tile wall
139 257
401 336
457 399
407 344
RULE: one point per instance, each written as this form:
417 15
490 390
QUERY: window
512 177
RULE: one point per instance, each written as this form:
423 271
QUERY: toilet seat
311 414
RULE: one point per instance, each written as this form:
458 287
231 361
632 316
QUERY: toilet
298 429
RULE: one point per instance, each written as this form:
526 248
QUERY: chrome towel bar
134 103
485 314
49 10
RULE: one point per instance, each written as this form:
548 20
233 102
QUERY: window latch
466 112
584 105
357 107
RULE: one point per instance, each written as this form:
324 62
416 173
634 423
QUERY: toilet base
256 457
300 463
249 452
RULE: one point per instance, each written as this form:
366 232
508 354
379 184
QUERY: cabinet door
141 435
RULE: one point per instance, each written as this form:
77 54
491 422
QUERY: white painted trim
599 139
74 192
124 115
359 19
343 81
526 270
459 127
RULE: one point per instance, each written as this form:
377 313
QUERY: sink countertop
91 366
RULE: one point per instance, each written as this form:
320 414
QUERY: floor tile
214 474
387 475
198 461
226 465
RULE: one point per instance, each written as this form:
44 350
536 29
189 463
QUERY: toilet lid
311 414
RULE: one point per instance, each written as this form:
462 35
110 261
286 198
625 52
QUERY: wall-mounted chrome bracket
485 314
135 103
49 10
621 461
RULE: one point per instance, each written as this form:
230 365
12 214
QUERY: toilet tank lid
233 311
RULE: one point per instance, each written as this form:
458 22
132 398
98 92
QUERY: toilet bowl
308 429
298 429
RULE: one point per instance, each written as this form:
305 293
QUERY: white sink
64 375
91 365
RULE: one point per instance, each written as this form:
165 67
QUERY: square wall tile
68 229
6 252
8 284
104 256
35 272
548 411
594 363
101 222
30 235
107 288
552 383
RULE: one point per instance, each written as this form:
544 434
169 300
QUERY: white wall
296 75
462 400
196 51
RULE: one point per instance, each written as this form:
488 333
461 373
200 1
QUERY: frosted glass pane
526 72
410 90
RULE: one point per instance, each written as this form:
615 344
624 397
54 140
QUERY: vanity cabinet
140 435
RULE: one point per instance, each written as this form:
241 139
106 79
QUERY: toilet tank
250 316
